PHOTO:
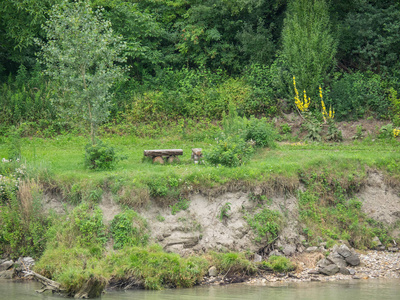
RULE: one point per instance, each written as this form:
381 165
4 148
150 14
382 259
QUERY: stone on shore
329 270
212 272
353 260
6 265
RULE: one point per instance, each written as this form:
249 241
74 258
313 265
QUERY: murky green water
349 290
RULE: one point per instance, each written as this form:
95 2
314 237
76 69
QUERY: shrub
100 156
356 94
232 262
280 264
261 132
231 151
129 229
265 224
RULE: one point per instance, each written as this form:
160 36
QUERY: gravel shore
374 264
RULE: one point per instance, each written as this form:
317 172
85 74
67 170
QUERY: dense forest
192 59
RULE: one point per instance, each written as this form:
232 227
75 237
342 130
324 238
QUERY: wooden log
48 284
163 152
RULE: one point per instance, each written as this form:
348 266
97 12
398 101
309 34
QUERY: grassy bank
79 247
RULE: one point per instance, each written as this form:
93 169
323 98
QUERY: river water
343 290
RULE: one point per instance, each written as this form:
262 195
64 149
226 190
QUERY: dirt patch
109 208
380 201
201 228
348 128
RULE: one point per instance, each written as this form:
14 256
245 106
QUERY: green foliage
83 227
394 107
374 48
386 131
279 264
182 204
232 262
231 151
235 144
80 53
129 229
333 134
23 224
265 224
329 213
359 133
355 95
262 90
168 186
285 128
100 156
223 212
313 129
261 132
26 98
153 269
309 46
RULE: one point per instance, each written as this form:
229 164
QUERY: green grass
63 159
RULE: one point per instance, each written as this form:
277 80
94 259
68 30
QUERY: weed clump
129 229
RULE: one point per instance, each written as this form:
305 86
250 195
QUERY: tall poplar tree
80 55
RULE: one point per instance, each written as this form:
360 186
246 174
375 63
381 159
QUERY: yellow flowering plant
326 115
302 105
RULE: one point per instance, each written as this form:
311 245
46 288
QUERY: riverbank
374 265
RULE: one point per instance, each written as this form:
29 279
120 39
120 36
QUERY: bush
280 264
231 151
354 95
129 229
232 262
100 156
262 133
265 224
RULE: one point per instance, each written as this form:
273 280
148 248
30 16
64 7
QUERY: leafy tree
308 45
80 55
20 24
370 37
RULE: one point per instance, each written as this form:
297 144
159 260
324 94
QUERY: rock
344 271
344 251
173 159
313 272
257 258
323 263
7 274
393 249
275 253
356 277
289 250
25 263
337 259
6 265
378 244
329 270
353 260
212 272
312 249
352 271
158 160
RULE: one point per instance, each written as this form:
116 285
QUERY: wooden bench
162 155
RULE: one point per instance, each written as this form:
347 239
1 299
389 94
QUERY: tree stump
197 155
